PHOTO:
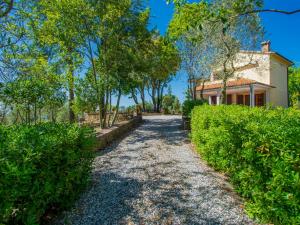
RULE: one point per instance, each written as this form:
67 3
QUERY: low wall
107 136
93 118
186 123
159 114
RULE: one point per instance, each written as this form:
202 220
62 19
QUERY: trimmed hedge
42 166
260 150
188 106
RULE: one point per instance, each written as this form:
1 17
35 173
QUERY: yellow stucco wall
279 79
269 69
260 73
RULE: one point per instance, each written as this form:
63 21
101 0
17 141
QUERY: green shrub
42 166
170 104
188 106
260 150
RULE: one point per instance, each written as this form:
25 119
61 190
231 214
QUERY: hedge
189 104
41 166
260 151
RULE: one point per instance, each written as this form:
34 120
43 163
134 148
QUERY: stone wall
107 136
93 118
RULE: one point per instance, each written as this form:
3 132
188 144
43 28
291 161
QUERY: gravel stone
154 177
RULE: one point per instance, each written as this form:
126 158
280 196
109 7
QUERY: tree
164 62
170 103
113 40
34 87
62 28
294 86
142 54
229 36
93 50
183 28
86 96
245 7
220 38
31 85
13 33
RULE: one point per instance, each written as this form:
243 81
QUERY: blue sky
282 30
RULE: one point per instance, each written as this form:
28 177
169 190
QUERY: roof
232 83
288 61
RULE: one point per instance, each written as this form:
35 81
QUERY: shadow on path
152 177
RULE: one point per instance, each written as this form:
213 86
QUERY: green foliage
189 16
170 104
86 100
294 87
6 7
41 166
189 105
259 149
165 58
35 87
236 6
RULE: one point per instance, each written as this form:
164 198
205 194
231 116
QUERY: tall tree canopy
217 34
89 51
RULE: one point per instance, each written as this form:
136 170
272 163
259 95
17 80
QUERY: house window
229 99
247 100
213 100
240 99
260 99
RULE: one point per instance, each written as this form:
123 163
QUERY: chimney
266 46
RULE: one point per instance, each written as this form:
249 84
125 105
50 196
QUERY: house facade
260 78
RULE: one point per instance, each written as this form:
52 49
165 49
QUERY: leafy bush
294 87
41 166
260 150
170 104
188 106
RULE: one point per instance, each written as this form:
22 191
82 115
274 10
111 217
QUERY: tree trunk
153 96
101 110
35 113
71 89
194 90
52 116
134 97
158 98
17 117
142 93
100 116
117 108
71 102
105 109
143 100
190 92
224 92
90 50
28 114
109 108
192 86
202 90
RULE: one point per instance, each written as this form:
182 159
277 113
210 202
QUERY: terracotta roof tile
232 83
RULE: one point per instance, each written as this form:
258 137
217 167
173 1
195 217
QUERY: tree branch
8 9
272 11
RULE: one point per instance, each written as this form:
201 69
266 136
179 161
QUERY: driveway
153 176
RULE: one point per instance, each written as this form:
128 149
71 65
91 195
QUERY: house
260 78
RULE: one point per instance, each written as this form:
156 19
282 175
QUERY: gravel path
154 177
